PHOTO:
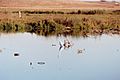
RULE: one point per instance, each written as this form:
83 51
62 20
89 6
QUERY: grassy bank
79 22
87 12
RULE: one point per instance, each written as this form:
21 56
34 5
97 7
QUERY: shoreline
55 23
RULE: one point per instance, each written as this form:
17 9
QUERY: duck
67 44
80 50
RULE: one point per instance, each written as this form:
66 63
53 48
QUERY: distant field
53 4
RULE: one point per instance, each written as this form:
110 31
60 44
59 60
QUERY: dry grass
73 24
56 4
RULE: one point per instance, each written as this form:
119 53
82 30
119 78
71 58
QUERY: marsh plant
79 22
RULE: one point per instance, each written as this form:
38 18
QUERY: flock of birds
65 45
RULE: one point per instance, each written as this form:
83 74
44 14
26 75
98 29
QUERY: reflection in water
38 59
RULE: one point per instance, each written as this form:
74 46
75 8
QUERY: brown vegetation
56 4
58 17
47 23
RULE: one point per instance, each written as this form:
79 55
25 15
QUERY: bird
68 43
80 50
60 45
30 63
16 54
53 44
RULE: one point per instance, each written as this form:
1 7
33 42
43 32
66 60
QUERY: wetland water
41 58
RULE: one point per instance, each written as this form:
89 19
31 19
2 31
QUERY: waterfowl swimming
53 44
60 45
16 54
30 63
41 63
80 50
67 44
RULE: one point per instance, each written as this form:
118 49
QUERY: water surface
100 59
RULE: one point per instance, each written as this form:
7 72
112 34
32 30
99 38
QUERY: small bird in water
41 63
60 45
80 50
65 44
53 44
30 63
16 54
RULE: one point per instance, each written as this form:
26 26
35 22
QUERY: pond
26 56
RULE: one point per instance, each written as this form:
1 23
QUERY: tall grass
86 12
81 22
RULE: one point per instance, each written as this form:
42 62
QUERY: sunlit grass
59 22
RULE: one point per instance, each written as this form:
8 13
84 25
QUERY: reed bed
79 22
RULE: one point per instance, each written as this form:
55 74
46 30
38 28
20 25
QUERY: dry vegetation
79 22
57 17
56 4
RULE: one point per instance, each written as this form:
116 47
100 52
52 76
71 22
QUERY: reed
57 22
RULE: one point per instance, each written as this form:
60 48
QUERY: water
40 57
